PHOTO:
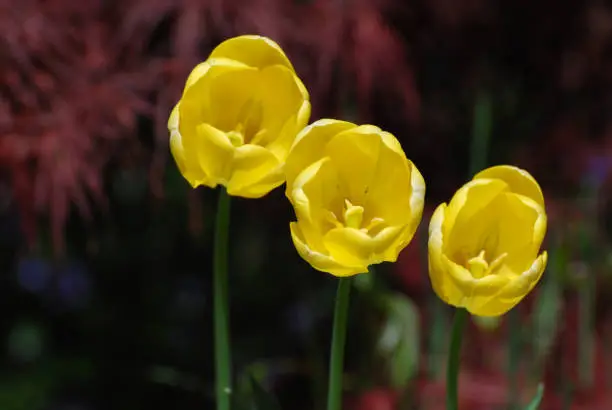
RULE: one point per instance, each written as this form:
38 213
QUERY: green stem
221 303
334 394
454 359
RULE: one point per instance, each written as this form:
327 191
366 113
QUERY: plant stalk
223 376
454 359
334 395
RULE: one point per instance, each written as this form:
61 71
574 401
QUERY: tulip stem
334 394
221 303
454 359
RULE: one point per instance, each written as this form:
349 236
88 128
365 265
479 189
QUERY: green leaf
399 339
262 400
249 393
535 403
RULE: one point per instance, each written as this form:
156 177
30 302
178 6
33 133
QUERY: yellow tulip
483 246
357 198
238 116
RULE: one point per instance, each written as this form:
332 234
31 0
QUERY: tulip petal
253 50
186 159
399 193
229 94
441 282
256 171
176 144
352 247
318 260
471 219
280 146
282 95
515 291
360 145
215 152
520 231
197 73
417 203
309 146
314 196
519 181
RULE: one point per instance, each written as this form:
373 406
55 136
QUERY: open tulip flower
484 245
238 116
357 198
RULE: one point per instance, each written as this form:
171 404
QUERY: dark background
105 252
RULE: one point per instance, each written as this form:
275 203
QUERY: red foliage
80 75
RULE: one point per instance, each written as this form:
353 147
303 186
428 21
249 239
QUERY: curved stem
334 394
221 303
454 359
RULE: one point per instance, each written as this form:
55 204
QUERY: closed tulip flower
484 245
238 116
357 198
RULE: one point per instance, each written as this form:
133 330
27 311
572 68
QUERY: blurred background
105 251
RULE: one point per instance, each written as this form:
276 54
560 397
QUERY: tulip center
353 215
236 138
248 124
480 267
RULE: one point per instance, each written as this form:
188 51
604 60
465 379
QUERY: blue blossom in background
34 274
598 170
74 285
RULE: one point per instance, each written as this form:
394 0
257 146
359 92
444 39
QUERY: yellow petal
309 146
256 172
197 72
255 51
318 260
417 202
471 217
521 228
228 95
204 70
186 158
515 291
398 194
349 246
215 152
176 144
280 146
441 282
519 181
282 98
355 155
524 283
314 195
173 119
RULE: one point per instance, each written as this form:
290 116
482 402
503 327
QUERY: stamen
236 138
478 265
353 215
376 222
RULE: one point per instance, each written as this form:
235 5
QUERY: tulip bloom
238 116
357 198
483 246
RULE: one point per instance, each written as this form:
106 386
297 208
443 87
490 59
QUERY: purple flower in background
598 170
74 284
34 274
